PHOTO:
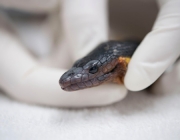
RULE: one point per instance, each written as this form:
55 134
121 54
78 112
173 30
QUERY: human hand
159 49
23 78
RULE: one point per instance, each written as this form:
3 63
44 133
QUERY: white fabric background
139 116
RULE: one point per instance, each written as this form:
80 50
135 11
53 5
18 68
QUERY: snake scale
107 62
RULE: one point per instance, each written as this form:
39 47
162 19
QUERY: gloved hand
25 79
159 49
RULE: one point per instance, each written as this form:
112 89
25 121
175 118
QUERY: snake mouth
87 84
108 62
108 76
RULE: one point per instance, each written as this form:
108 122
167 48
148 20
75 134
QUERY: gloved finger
85 25
32 6
36 33
159 49
169 82
39 37
24 79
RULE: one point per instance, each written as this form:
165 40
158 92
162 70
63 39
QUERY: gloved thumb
159 49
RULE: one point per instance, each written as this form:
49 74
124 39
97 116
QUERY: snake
107 62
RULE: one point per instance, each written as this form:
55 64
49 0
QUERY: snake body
107 62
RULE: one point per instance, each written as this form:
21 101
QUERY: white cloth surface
139 116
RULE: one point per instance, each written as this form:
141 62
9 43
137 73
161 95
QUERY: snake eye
93 70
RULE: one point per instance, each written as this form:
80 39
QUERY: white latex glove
85 25
159 49
32 6
23 78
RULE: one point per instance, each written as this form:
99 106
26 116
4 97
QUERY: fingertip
137 78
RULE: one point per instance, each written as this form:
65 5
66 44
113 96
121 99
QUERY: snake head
108 62
92 74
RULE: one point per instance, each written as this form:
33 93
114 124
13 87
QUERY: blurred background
146 114
40 28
